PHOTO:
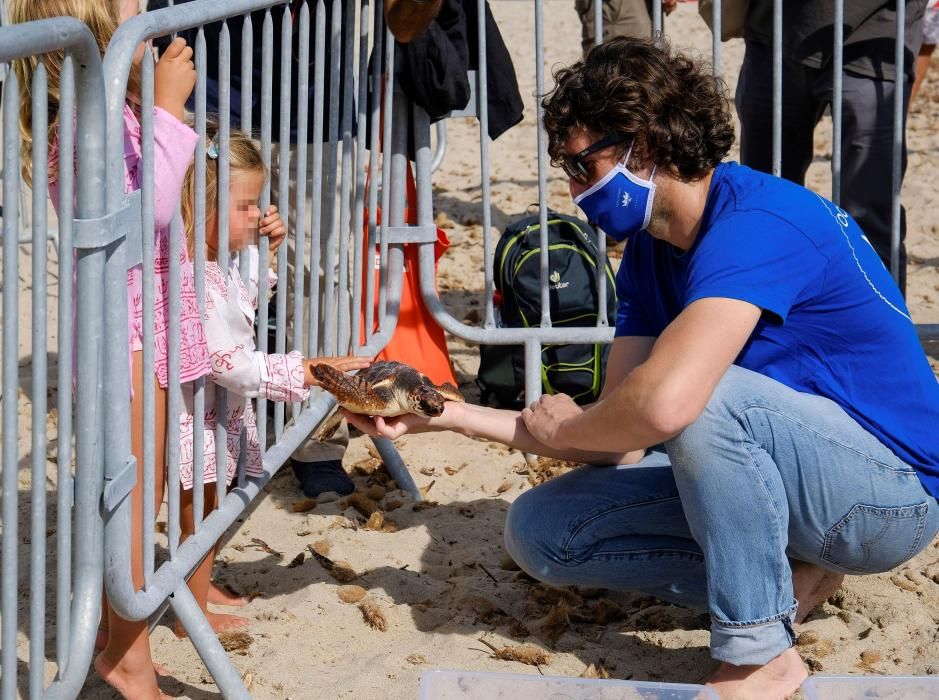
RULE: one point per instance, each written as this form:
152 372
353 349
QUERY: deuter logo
556 283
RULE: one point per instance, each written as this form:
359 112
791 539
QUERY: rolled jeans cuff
753 643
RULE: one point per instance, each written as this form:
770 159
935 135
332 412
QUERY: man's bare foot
777 680
812 585
223 595
220 623
131 683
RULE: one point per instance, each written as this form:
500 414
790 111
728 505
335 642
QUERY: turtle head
427 401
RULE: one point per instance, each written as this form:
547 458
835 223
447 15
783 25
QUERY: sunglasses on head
574 166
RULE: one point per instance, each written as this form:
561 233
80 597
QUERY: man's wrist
452 418
570 434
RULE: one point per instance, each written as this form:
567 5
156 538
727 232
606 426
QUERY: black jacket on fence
432 69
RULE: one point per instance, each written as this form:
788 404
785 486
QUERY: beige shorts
620 18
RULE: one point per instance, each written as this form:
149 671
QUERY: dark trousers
866 136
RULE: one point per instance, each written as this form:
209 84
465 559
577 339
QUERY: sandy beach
433 577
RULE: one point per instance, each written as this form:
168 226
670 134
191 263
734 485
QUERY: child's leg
125 662
199 581
922 65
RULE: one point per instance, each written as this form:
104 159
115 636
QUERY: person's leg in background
620 18
801 111
867 161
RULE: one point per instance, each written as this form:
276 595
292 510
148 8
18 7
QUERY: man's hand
391 428
273 227
547 419
174 78
668 6
394 427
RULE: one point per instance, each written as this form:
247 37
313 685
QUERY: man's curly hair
673 107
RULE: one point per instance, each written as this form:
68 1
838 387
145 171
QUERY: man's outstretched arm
408 19
508 427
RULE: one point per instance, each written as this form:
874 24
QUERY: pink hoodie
173 147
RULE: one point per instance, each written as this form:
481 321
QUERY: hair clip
212 150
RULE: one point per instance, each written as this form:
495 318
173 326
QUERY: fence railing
84 238
329 154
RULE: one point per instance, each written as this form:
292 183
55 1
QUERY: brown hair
102 18
673 107
244 156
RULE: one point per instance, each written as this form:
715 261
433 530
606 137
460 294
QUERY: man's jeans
765 473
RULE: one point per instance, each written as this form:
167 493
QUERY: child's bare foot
131 683
220 623
777 680
101 641
812 585
160 669
223 595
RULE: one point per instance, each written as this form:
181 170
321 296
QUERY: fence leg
533 386
396 467
206 643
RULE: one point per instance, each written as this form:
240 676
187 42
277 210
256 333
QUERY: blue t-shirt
834 323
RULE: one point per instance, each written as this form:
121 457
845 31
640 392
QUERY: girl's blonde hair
244 156
102 18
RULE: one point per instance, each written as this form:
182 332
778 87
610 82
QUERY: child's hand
273 227
174 78
343 364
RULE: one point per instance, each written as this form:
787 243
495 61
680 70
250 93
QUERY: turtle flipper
329 425
450 392
351 391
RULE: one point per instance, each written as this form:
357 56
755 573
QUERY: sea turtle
386 388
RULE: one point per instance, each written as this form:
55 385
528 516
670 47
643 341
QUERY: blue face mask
620 203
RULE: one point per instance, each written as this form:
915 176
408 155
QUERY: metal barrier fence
107 234
111 232
534 338
77 477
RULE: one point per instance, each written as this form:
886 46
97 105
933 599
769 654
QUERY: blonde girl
230 306
125 661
